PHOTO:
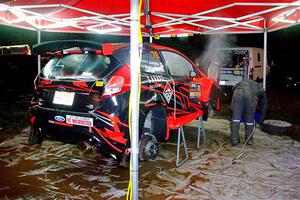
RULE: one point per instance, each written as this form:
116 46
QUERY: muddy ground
269 169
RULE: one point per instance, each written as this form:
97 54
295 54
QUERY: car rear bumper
55 125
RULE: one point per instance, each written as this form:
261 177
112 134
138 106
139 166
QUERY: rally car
82 93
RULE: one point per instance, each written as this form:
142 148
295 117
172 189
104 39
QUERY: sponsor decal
80 121
195 90
88 74
59 118
99 83
61 88
168 92
156 78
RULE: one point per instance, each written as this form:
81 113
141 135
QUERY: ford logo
59 118
61 88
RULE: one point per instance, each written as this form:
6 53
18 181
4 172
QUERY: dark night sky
283 45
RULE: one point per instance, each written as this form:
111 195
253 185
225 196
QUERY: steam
215 42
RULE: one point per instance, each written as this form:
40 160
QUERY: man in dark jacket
246 97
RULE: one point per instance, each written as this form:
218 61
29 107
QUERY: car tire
276 127
123 161
35 136
155 123
148 148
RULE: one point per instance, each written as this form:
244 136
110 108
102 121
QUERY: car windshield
79 66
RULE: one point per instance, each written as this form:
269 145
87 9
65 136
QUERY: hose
234 160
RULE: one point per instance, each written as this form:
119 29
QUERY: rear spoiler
60 45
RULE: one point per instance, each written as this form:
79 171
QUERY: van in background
237 64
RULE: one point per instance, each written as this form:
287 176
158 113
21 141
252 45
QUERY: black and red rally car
83 93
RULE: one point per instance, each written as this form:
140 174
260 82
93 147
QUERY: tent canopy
162 18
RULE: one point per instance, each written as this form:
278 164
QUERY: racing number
155 54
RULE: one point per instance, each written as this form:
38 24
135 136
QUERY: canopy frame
95 22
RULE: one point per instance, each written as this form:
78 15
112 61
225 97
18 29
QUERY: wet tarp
159 17
269 169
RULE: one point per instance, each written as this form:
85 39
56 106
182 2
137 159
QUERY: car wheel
148 148
35 136
156 122
276 127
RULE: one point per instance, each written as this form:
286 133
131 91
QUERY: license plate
80 121
63 98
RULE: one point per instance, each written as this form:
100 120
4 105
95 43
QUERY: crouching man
247 96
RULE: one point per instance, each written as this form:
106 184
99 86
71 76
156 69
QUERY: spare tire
276 127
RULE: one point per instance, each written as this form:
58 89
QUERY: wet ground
269 169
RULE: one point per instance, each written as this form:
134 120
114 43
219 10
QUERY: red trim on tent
167 17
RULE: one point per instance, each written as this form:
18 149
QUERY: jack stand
200 136
181 134
201 132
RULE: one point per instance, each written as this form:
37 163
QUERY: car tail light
114 86
118 83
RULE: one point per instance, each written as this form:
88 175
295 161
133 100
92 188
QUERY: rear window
79 66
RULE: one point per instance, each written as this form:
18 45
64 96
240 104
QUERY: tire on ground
35 136
276 127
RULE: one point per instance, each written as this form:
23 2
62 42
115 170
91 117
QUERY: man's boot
234 127
249 128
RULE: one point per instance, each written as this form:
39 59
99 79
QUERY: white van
236 64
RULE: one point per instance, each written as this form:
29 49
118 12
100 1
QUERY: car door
155 79
180 69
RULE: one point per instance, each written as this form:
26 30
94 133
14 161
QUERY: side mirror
192 74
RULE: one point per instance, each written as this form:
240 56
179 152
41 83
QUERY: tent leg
265 56
148 18
39 56
134 81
